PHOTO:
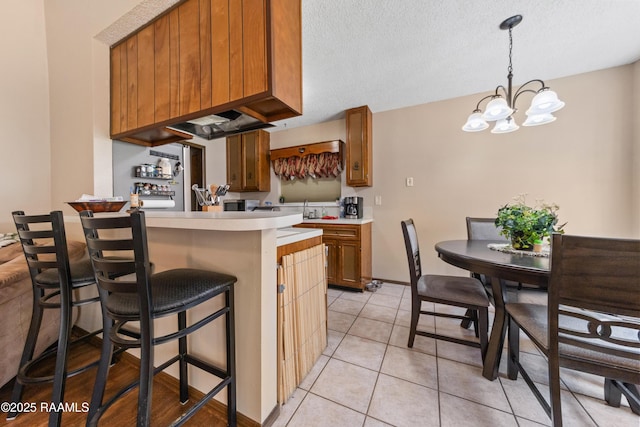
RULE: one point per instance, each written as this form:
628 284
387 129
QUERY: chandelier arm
504 89
479 102
520 92
522 89
542 86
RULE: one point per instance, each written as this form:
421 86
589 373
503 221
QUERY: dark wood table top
475 256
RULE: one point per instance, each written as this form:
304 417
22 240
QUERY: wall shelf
305 150
156 193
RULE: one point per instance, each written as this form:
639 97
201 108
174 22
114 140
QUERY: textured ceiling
394 54
144 12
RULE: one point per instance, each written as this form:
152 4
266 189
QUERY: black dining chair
485 229
129 292
54 279
464 292
592 322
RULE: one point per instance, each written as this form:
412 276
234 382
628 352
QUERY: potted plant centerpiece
524 225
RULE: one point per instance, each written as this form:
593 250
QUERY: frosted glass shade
545 102
475 123
505 126
539 119
497 109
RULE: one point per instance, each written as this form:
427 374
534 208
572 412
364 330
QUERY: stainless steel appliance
353 207
221 124
240 205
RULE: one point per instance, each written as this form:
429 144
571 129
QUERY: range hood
220 125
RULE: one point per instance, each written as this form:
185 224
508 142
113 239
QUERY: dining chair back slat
581 266
483 229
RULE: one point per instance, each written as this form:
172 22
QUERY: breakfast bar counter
243 244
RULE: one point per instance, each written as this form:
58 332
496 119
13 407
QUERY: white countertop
289 235
338 221
216 221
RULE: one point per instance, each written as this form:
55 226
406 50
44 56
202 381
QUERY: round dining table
476 257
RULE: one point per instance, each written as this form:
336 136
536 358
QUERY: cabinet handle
249 175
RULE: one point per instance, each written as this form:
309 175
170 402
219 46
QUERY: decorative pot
522 245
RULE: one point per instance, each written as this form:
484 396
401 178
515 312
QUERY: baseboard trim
217 407
397 282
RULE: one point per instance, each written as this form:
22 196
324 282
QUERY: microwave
240 204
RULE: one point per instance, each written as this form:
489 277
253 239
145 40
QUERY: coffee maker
353 207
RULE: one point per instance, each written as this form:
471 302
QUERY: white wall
24 111
79 79
583 162
54 108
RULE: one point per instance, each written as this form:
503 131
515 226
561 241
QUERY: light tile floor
368 376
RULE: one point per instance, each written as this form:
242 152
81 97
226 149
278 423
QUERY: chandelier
502 104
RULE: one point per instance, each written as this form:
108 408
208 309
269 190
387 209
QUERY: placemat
506 247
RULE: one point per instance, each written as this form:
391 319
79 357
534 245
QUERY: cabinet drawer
350 232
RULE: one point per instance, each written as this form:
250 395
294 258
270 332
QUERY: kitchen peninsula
243 244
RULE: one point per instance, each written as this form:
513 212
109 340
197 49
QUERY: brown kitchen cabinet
348 253
205 57
248 162
359 147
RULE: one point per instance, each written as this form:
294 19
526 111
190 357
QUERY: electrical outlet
410 181
378 200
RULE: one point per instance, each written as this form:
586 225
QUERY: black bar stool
142 297
54 278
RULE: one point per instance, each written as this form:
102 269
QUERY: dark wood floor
166 406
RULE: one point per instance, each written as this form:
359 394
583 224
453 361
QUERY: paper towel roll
157 204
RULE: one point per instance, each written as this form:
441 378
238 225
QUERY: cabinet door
359 156
349 263
165 67
189 52
234 162
220 48
332 261
146 76
132 83
250 159
119 88
254 48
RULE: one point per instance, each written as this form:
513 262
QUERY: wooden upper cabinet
118 99
254 47
162 61
204 57
248 161
359 147
132 83
220 52
146 76
189 56
234 162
